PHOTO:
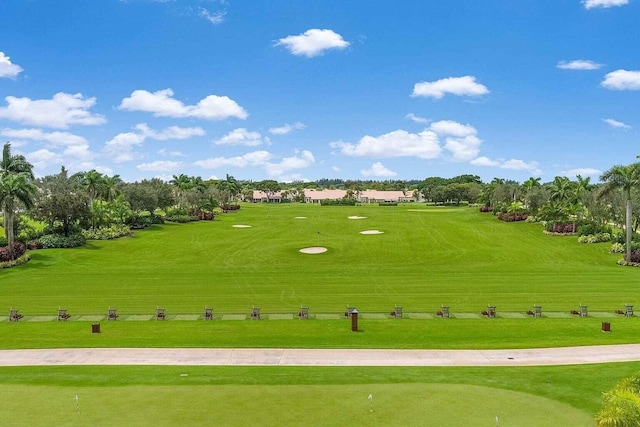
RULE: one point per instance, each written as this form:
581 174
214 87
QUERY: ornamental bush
617 248
49 241
178 218
106 233
595 238
18 250
16 262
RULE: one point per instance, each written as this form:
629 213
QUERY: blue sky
302 90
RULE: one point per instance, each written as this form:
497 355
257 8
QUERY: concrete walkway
321 357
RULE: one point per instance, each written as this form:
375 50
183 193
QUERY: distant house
366 196
262 197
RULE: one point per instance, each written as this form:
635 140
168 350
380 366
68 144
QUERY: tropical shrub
511 217
338 202
178 218
202 215
106 233
18 261
595 238
486 208
229 207
49 241
18 250
561 228
617 248
592 229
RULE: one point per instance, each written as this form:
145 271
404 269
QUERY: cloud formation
242 136
8 69
512 164
120 148
461 86
398 143
287 128
416 119
622 80
378 170
162 104
616 124
313 42
582 172
300 160
590 4
159 166
579 64
60 112
460 140
214 18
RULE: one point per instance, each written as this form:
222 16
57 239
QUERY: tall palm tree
16 184
92 183
15 188
625 179
109 187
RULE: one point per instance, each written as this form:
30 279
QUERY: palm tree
182 183
14 188
624 178
92 183
529 185
16 184
109 189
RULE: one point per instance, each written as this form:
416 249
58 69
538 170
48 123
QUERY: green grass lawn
427 256
148 395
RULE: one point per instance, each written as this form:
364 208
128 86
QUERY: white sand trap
301 217
357 217
313 250
241 226
372 232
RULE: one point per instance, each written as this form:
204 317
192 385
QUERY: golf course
377 258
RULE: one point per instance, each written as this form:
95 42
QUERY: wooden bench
63 315
208 313
160 314
111 314
14 315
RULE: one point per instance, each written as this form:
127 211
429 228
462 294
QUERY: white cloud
622 80
579 64
164 152
336 169
255 158
172 132
616 124
242 136
416 119
159 166
465 85
398 143
287 128
120 148
582 172
462 141
590 4
7 69
512 164
313 42
484 161
378 169
301 159
62 111
215 18
162 104
43 158
55 138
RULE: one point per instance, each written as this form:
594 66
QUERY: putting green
326 405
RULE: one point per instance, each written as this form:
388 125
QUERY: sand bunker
313 250
357 217
301 217
372 232
241 226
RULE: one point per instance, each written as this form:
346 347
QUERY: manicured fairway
425 258
540 396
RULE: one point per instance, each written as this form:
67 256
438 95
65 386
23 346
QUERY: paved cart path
320 357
